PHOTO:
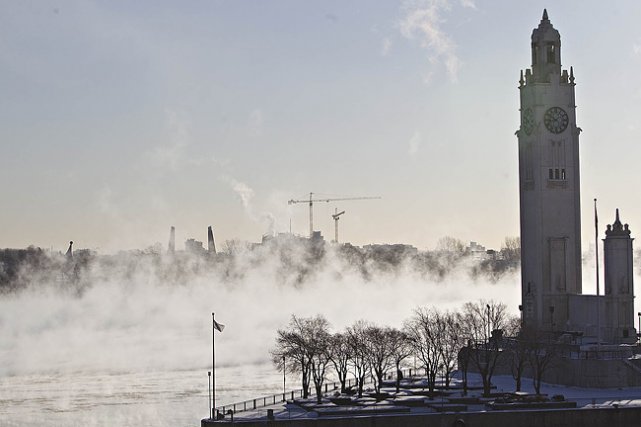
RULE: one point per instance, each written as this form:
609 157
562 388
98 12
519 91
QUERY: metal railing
272 399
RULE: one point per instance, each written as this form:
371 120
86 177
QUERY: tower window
556 157
551 53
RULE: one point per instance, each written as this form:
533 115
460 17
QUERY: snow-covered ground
584 397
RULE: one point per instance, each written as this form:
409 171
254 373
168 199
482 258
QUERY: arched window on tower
556 171
551 53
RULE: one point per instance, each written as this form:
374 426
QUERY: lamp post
521 313
489 326
209 390
489 333
639 330
284 377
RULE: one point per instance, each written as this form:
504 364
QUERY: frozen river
148 398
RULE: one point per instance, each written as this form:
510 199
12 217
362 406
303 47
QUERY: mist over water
133 336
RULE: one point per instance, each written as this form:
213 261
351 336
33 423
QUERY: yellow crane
311 201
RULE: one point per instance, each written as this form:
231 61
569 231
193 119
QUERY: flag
218 326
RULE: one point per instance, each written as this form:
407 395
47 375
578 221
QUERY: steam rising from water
129 341
148 316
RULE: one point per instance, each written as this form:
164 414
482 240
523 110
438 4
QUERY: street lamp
209 390
487 342
639 330
284 378
489 326
521 313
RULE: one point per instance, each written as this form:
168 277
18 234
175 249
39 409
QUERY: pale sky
120 119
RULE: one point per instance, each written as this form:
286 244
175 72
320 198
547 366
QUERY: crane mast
336 217
311 201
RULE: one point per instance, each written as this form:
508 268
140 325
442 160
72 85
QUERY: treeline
477 337
294 261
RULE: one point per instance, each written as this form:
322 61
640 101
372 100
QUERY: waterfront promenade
558 405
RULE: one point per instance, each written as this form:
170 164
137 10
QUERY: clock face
556 120
528 121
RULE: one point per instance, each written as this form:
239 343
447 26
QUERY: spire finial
617 226
572 75
545 15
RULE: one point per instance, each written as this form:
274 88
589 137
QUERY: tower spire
545 15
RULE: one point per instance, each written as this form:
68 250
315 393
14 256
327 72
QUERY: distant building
390 253
171 247
211 243
194 246
477 251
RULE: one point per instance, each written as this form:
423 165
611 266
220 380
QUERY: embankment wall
598 417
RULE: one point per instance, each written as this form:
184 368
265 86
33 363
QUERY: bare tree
450 343
339 354
423 332
480 319
518 347
379 352
543 352
303 348
511 249
290 352
401 350
451 245
357 340
319 339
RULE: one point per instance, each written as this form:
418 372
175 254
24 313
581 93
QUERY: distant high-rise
69 253
172 240
211 244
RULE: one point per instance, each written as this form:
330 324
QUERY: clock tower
548 185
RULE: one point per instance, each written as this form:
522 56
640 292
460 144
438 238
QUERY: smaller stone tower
619 290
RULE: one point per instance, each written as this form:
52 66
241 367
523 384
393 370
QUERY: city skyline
124 120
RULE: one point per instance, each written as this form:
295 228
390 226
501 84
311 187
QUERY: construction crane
336 218
311 201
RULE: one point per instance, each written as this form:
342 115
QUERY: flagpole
598 292
213 362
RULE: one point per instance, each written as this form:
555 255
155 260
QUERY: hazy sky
120 119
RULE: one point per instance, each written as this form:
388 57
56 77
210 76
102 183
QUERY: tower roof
617 229
545 30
